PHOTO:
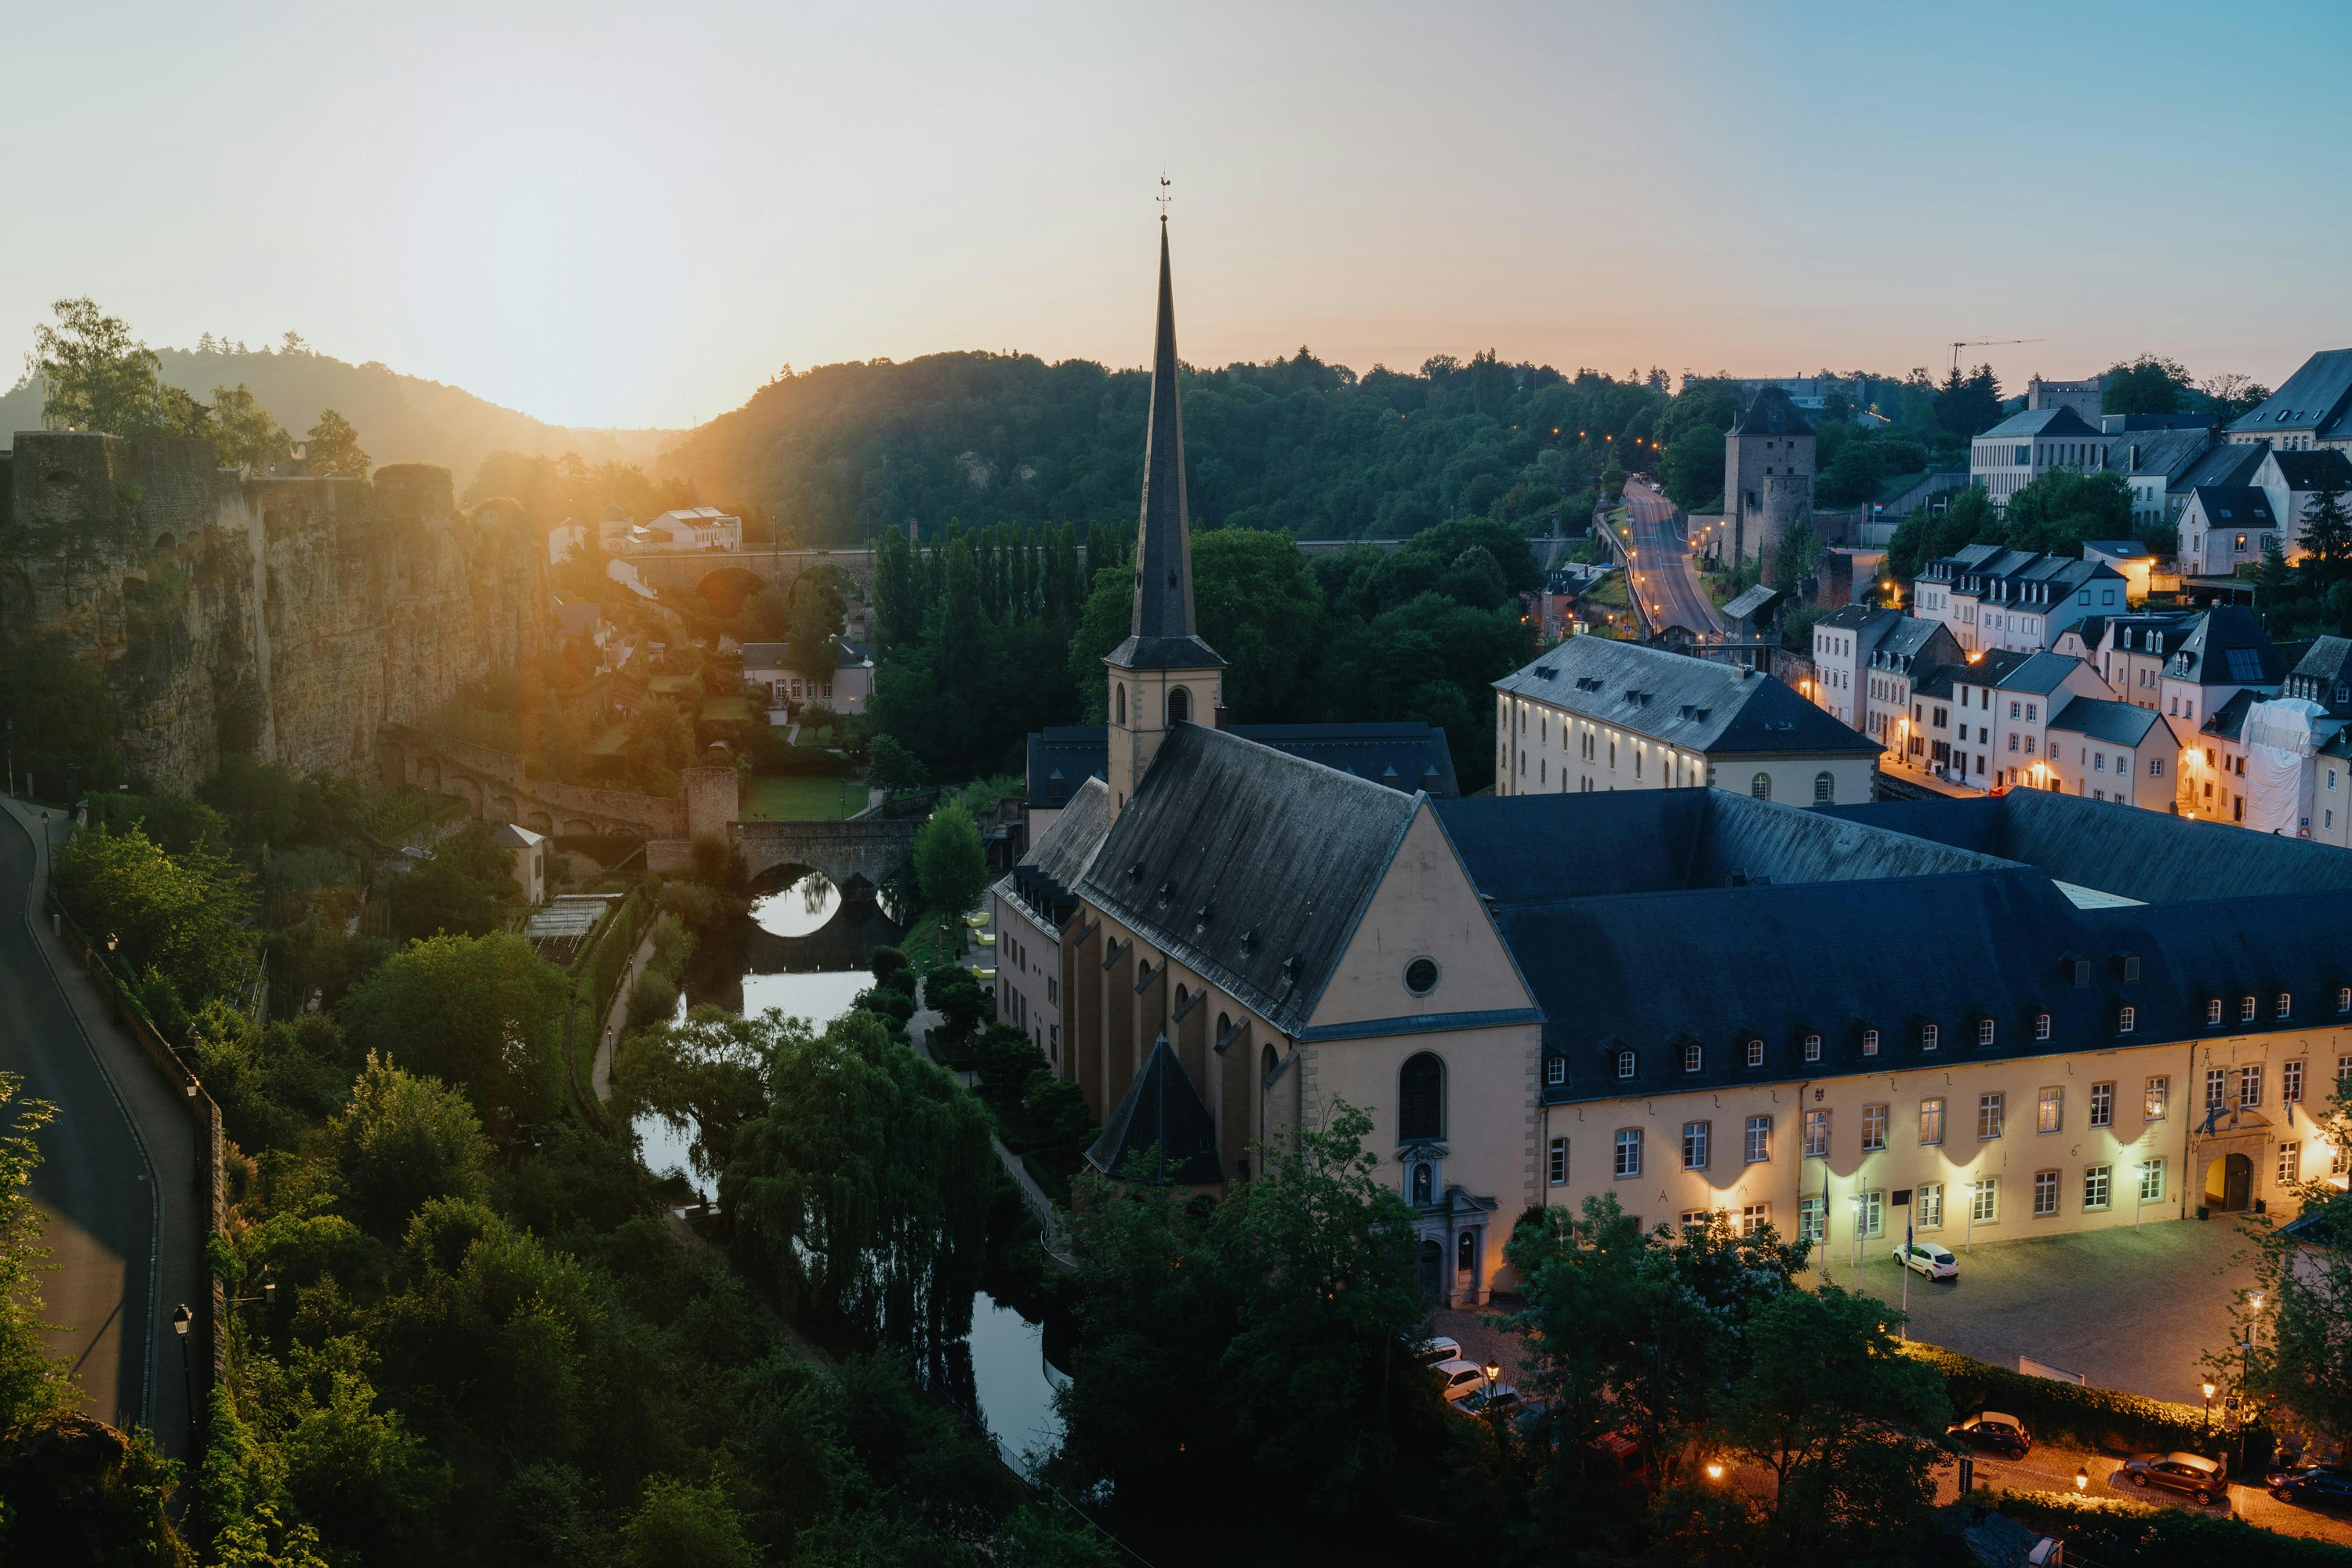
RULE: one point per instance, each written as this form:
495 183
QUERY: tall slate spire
1162 623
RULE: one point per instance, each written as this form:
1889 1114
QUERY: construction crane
1987 343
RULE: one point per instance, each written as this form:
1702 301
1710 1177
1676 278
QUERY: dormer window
1984 1031
2042 1026
1755 1053
1813 1048
1624 1064
1928 1033
2127 1019
1693 1056
1870 1042
2285 1004
2213 1011
2246 1009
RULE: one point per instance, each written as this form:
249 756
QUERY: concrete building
768 671
2104 750
527 860
1993 597
1594 715
2310 412
1034 908
2152 464
2134 560
1767 475
1842 643
2028 444
2292 482
2131 652
1910 652
2079 397
2225 527
2025 700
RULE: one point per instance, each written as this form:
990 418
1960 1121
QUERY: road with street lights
126 1246
1663 575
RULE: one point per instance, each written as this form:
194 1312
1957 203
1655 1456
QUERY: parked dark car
1991 1429
2322 1486
2195 1474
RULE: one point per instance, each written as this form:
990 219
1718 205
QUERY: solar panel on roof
2245 664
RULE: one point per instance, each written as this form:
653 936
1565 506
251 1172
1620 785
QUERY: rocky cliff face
286 617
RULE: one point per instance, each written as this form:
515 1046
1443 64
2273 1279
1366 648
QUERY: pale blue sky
617 215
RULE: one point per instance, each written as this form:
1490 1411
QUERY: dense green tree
177 917
463 889
2327 535
1691 466
818 613
1967 518
333 448
1258 606
31 1381
243 433
2152 383
2060 510
950 864
95 375
404 1141
683 1526
483 1014
1968 405
61 721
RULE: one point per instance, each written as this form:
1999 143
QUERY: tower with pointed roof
1164 674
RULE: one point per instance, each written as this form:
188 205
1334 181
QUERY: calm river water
806 954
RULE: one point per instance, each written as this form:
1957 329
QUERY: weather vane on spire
1163 198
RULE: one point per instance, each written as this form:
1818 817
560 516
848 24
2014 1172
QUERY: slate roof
1162 622
779 655
2309 470
1406 755
1907 639
1162 1113
1771 413
1047 877
1249 865
2113 723
2150 633
2324 674
1756 602
2229 464
2040 672
2151 856
2233 506
1644 921
1716 709
2228 722
2016 576
2050 423
2168 452
2316 398
2227 646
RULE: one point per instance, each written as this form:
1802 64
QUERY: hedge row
2119 1534
2097 1417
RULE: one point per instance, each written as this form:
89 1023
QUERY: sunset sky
633 214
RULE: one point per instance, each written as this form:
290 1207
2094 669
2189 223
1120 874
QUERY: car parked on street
1992 1430
1460 1379
1926 1257
2194 1474
2322 1486
1502 1400
1442 1347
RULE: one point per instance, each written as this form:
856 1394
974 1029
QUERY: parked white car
1441 1348
1926 1257
1460 1379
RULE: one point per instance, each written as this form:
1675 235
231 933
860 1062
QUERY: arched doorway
2230 1183
1432 1263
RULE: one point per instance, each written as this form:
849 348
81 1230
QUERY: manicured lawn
727 710
801 798
610 742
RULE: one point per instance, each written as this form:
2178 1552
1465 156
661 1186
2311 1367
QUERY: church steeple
1164 674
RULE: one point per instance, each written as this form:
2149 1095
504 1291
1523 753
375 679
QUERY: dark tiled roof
1163 554
2040 672
2228 722
2323 671
1251 866
2309 470
2170 453
1163 653
2234 506
779 655
2317 396
1160 1114
1756 601
2054 424
1405 755
2097 719
2228 465
1771 412
1910 639
1716 709
1065 851
2151 856
2227 646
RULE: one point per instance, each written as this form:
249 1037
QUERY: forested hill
842 451
400 419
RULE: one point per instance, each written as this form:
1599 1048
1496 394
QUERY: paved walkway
2052 1468
2128 1309
116 1185
616 1018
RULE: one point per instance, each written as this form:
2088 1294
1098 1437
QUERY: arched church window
1118 699
1420 1097
1179 706
1824 789
1760 786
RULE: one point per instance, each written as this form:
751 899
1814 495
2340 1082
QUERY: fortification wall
286 616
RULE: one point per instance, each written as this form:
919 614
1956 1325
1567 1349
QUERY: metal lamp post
2245 1374
182 1321
2207 1386
1968 1243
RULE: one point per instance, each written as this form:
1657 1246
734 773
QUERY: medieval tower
1768 475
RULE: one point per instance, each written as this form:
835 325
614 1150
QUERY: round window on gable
1421 977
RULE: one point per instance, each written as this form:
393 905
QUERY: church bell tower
1164 674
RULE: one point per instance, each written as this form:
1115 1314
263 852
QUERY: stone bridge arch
866 849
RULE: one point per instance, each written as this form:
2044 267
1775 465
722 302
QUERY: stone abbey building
2010 1015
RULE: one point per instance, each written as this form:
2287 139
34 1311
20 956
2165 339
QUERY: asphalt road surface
115 1281
1663 572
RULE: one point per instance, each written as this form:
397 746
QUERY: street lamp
181 1320
1714 1469
2207 1386
2082 1476
1493 1370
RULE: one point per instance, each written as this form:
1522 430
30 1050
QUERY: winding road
124 1245
1664 576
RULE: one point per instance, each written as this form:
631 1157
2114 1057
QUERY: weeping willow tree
855 1174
